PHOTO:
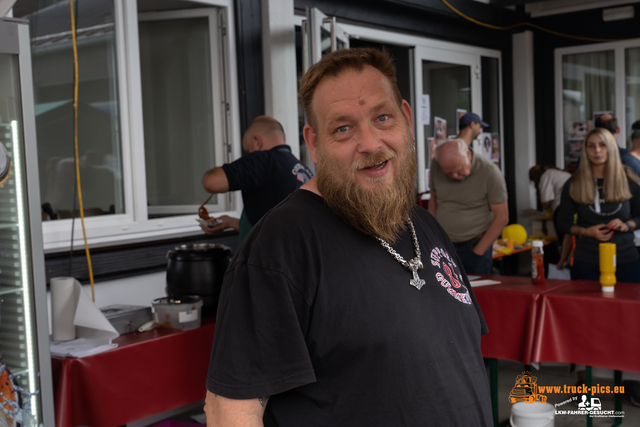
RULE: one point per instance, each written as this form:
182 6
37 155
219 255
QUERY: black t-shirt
265 179
322 319
588 249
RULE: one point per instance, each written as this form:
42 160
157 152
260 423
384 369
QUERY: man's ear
311 139
258 142
406 109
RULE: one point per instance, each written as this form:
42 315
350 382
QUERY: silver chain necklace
412 265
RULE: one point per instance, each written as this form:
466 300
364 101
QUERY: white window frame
134 226
619 112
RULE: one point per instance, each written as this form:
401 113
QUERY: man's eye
343 129
383 118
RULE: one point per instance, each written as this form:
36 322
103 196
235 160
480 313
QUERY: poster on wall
572 153
440 129
424 110
487 145
580 129
459 113
495 148
431 144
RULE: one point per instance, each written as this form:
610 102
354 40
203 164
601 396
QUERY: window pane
98 116
632 75
449 89
175 61
588 89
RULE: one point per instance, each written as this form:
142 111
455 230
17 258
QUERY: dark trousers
472 263
629 272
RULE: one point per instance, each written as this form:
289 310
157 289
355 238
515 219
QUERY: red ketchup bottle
537 262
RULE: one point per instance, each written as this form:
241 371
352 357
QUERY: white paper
80 347
424 110
88 321
554 273
472 278
478 283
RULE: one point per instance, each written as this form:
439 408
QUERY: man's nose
368 140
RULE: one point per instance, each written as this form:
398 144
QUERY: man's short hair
265 125
610 124
340 61
635 134
462 147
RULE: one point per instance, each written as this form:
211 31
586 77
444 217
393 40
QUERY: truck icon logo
526 389
594 405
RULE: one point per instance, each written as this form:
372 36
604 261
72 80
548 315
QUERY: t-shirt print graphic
449 277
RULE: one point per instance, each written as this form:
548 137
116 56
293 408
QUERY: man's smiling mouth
377 166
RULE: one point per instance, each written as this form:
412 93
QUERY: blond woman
605 197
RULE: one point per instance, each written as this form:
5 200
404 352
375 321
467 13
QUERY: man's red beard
379 212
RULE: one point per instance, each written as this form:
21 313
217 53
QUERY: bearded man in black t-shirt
347 304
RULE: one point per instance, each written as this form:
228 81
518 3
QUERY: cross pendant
416 281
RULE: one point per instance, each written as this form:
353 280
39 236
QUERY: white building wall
279 60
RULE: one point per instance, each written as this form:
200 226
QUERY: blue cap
469 118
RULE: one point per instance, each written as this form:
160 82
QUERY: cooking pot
197 269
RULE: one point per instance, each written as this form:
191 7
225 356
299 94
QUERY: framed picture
459 113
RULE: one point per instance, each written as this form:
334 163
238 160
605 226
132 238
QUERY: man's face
364 151
361 129
476 128
455 165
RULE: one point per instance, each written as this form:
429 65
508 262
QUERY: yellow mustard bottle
607 266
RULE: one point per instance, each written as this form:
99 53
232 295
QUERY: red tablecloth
580 324
148 373
511 312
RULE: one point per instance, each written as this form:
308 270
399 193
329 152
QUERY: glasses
203 212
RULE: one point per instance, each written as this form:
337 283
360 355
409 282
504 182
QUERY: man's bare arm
225 412
500 220
432 207
215 181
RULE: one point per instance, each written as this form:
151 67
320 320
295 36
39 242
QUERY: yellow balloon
515 232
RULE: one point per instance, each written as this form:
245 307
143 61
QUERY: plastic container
183 314
537 262
534 414
127 318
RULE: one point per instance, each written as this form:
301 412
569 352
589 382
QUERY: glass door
447 86
25 364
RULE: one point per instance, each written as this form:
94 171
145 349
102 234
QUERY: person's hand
227 222
599 232
617 224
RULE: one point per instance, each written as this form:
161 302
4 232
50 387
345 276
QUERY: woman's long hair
583 184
